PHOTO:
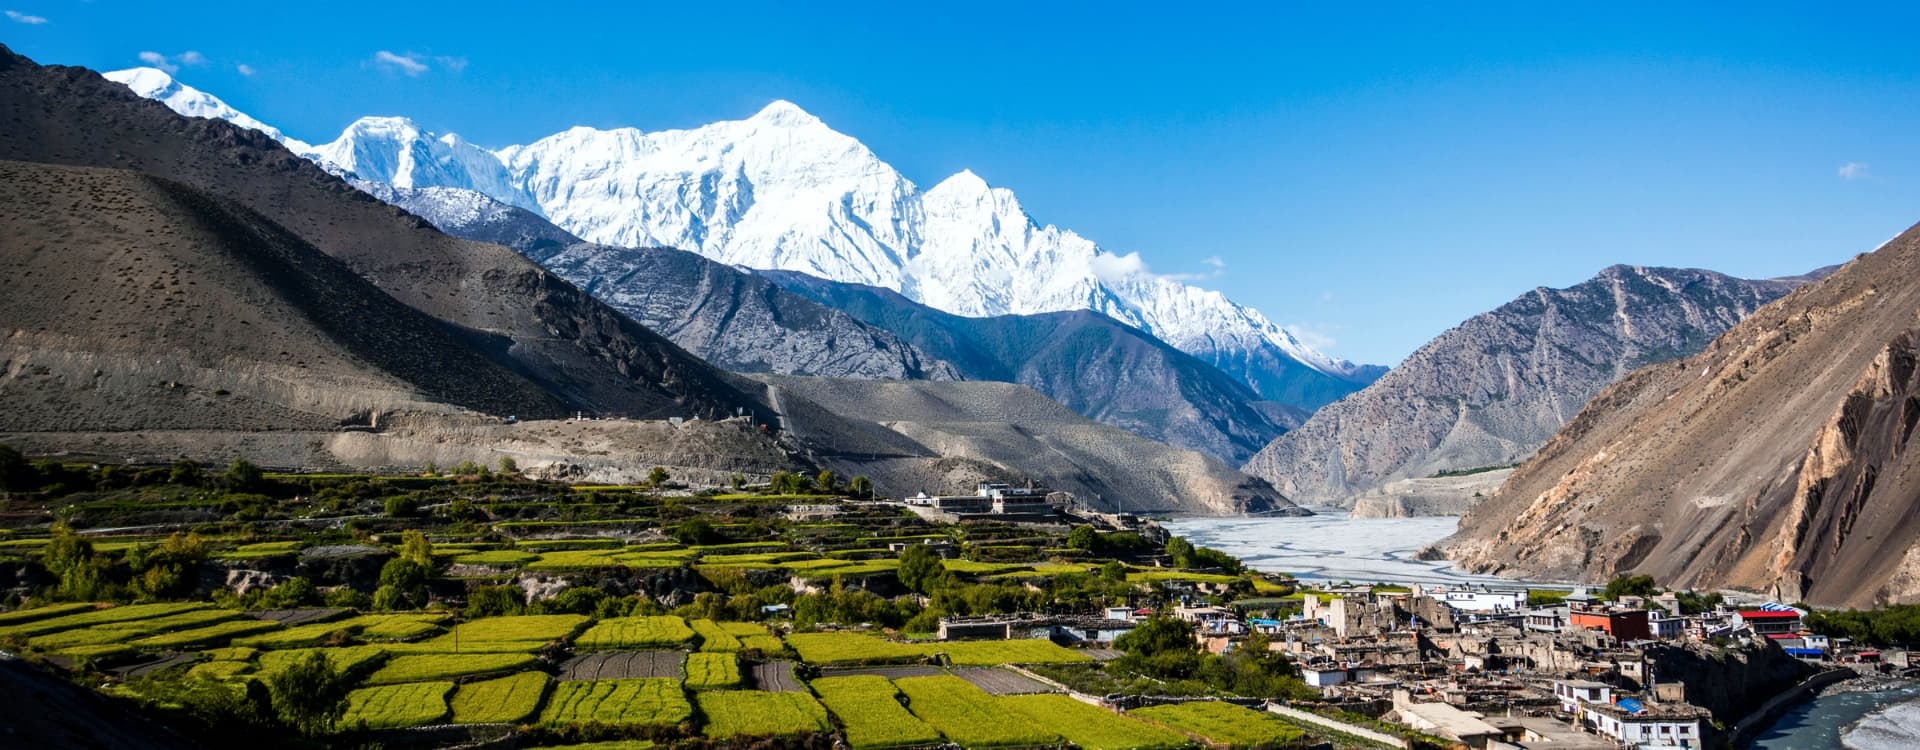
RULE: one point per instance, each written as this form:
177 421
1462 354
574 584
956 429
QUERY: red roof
1761 614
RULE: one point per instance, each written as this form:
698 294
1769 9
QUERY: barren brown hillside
1778 459
135 303
516 314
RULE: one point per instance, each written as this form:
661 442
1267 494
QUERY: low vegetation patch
508 700
643 702
969 716
1225 724
753 713
869 708
396 706
424 667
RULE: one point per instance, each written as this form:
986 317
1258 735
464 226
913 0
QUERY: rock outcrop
1492 390
1778 460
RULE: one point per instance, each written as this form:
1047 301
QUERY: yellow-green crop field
634 632
99 616
380 627
869 708
969 716
707 670
394 706
715 638
851 648
1092 727
507 700
752 713
1225 724
425 667
643 702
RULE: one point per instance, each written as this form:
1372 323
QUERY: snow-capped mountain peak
160 86
785 114
783 190
399 152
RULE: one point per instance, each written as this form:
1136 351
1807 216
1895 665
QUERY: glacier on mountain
782 190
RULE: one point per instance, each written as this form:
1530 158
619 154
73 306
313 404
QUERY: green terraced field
1225 724
869 708
856 648
969 716
1091 727
507 700
424 667
634 632
707 671
714 638
643 702
734 714
395 706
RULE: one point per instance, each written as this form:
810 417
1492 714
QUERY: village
1484 667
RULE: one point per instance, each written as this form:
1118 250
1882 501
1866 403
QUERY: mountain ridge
1491 390
1776 460
781 190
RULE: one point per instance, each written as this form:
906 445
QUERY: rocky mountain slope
1112 373
1778 459
790 323
1492 390
1011 432
782 190
521 317
139 303
186 287
736 319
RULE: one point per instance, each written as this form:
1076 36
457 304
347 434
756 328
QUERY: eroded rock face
1777 460
1494 389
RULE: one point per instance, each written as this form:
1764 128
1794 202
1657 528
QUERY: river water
1333 547
1879 720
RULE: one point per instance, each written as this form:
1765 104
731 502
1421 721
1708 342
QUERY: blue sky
1369 176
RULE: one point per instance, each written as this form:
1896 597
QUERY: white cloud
1215 261
409 64
1320 341
19 17
245 69
172 64
453 64
1854 170
1327 296
1110 268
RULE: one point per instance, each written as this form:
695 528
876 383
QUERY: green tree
1113 570
738 481
1083 537
81 574
495 601
242 476
826 480
402 506
1180 551
696 530
16 473
414 546
658 477
293 592
921 568
310 695
1629 586
508 465
861 487
187 472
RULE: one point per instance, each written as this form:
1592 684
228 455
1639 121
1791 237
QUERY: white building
1573 693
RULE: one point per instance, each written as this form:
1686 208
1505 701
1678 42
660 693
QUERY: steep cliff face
1492 390
1777 460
